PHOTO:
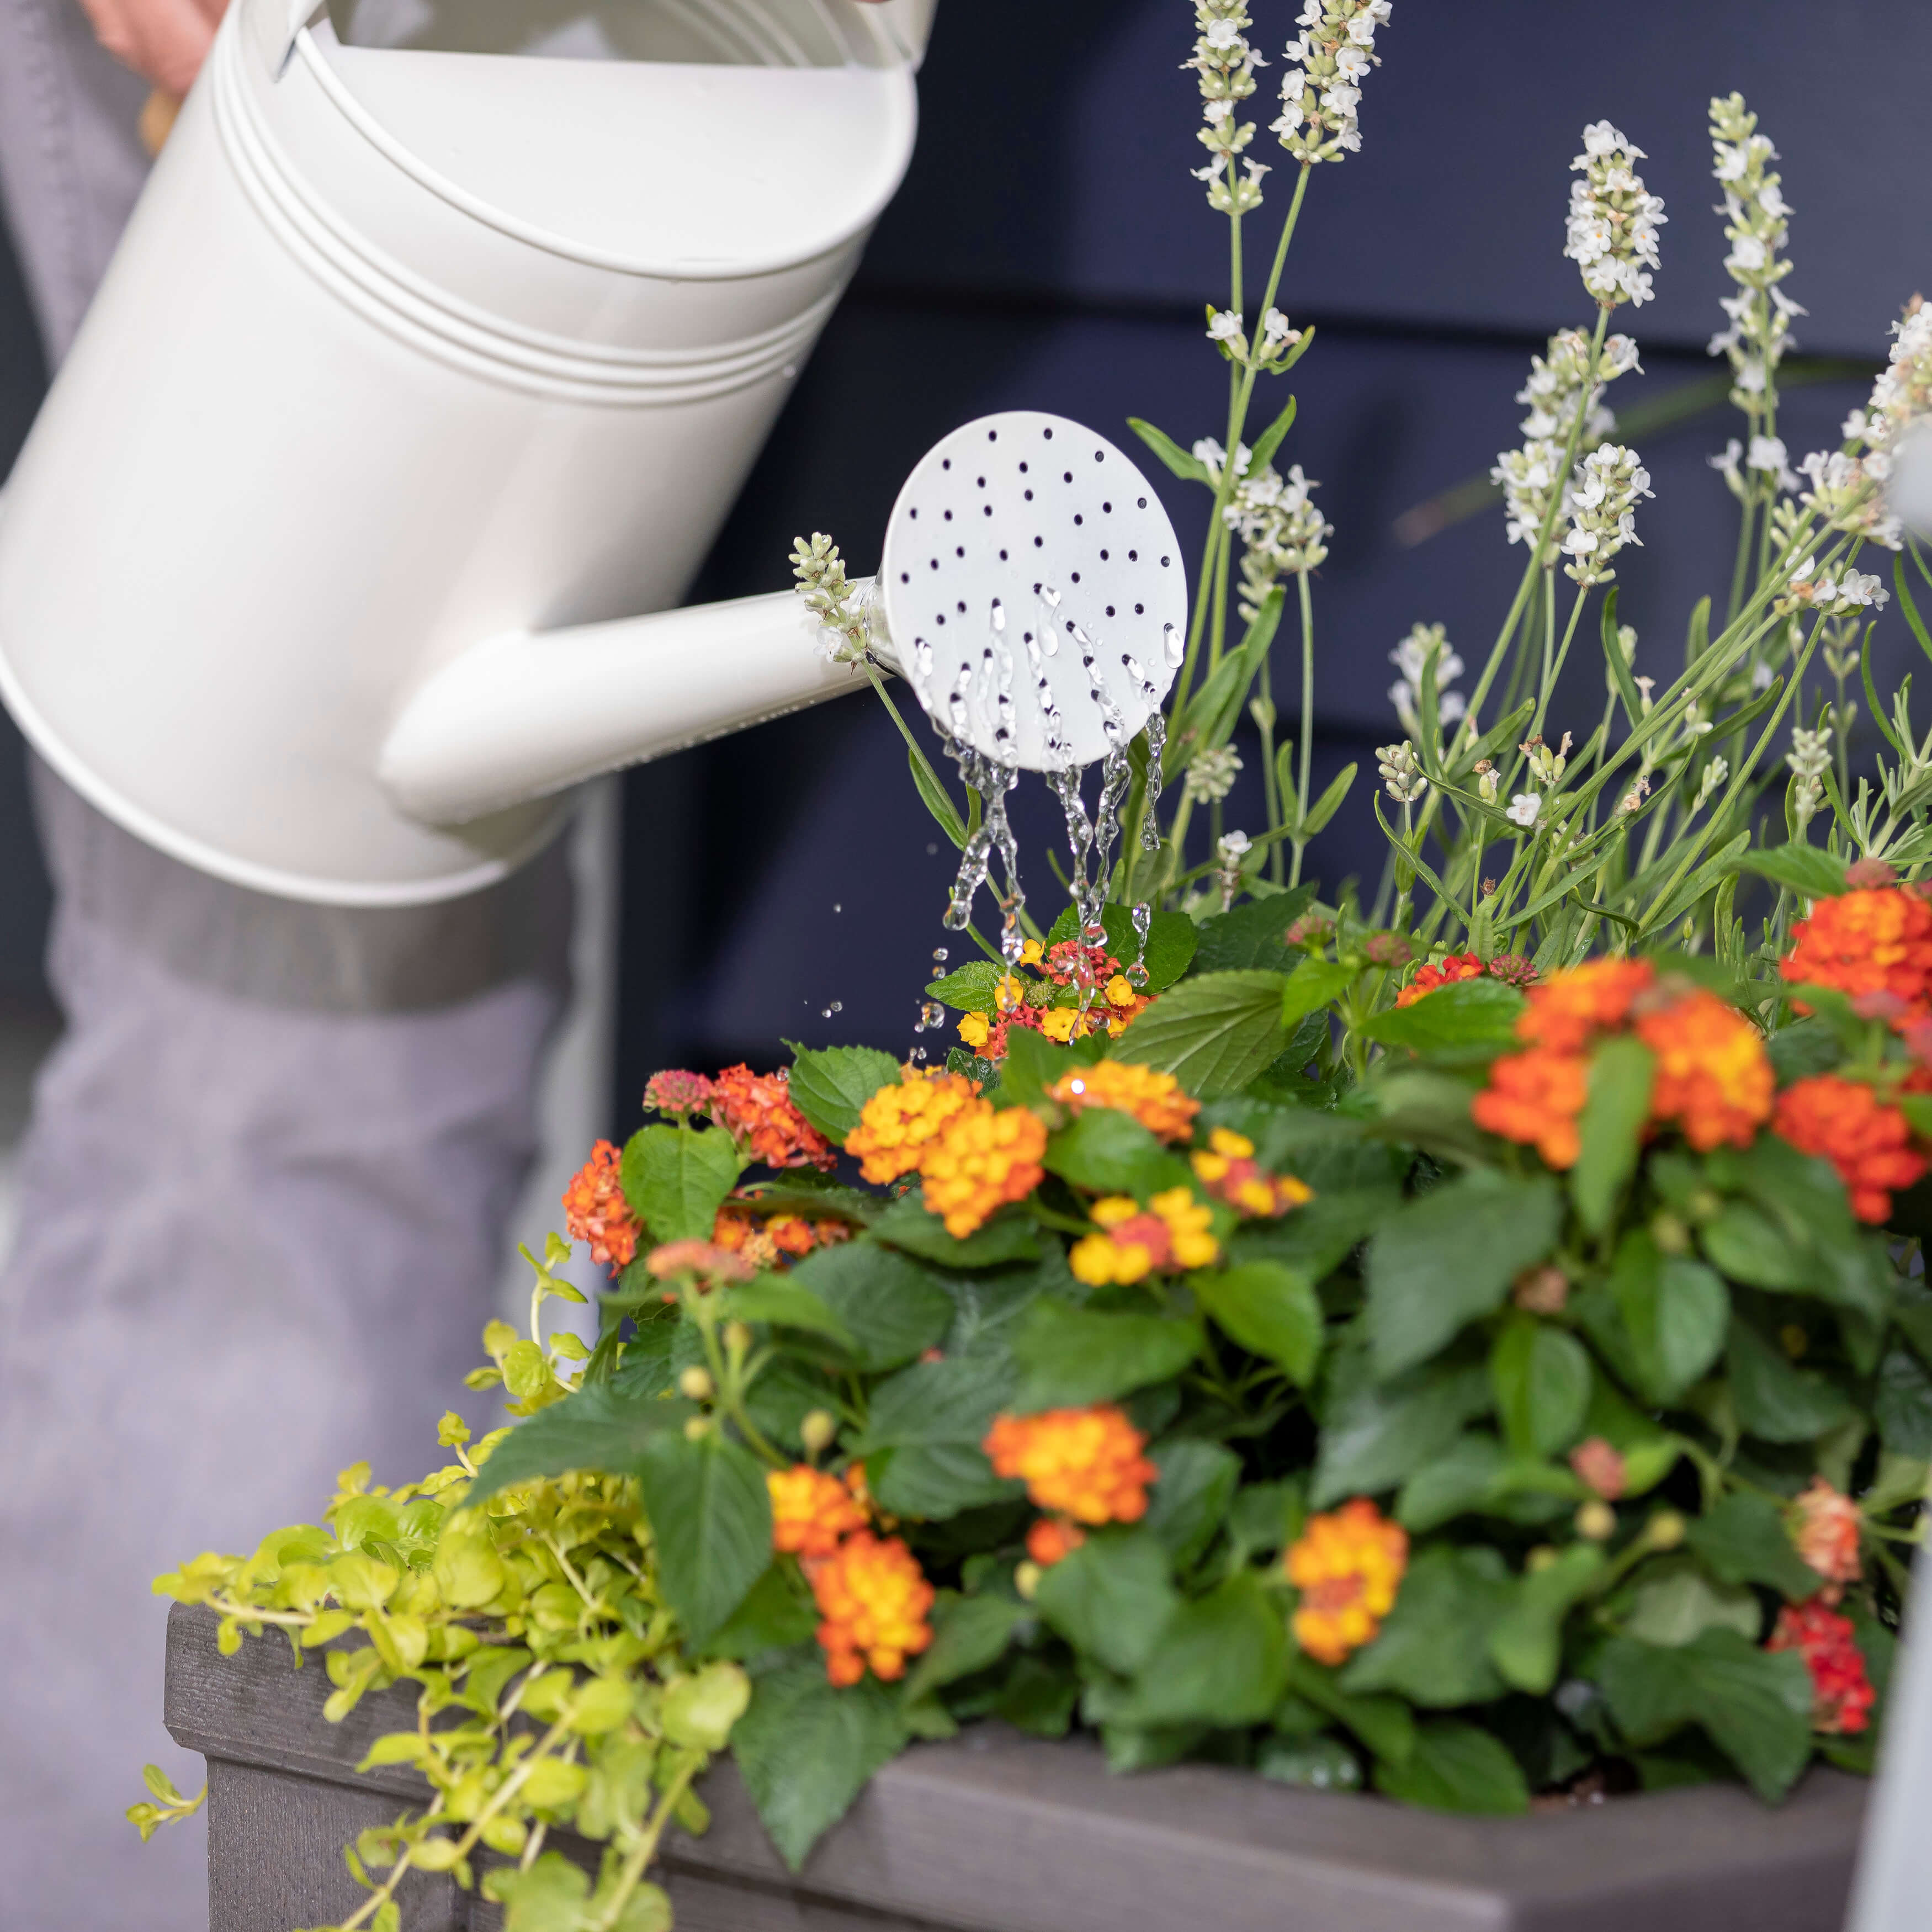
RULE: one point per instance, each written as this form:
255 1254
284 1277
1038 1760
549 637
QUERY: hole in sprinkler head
981 481
1078 518
1140 609
1003 556
1110 612
935 563
1039 543
940 616
1023 468
992 436
945 462
962 607
948 516
905 577
1076 577
961 551
1029 496
1068 477
1144 502
1133 556
914 514
1106 509
986 509
1049 435
1165 562
1103 556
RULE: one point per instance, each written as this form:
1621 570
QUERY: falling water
1143 918
992 781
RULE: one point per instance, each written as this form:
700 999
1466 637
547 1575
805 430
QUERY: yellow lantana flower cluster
1173 1231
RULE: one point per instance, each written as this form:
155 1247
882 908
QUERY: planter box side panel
274 1855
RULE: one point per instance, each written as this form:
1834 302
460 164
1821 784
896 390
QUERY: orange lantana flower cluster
812 1512
1876 941
756 1110
1348 1566
1510 968
1173 1231
873 1600
595 1210
1081 1466
1869 1144
897 1124
1713 1079
768 1241
1226 1167
983 1158
1154 1100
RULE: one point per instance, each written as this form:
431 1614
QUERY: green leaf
1776 1401
1107 1152
1321 1763
1526 1644
890 1307
805 1751
1330 801
711 1522
1312 985
1033 1063
1188 469
1270 439
969 1633
1320 1234
1214 1032
1744 1244
1433 1648
1799 1051
1007 1237
1754 1705
1541 1376
830 1085
675 1179
1385 1724
1902 1404
776 1613
1464 1477
1743 1539
1071 1356
1455 1767
600 1427
952 1401
973 988
1449 1257
1271 1310
1378 1436
1675 1312
1221 1660
785 1304
1465 1013
1621 1070
1197 1482
1111 1598
1673 1603
1807 871
933 795
1250 936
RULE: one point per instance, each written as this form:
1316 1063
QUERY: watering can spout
521 716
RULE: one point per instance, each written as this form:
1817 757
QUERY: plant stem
1307 724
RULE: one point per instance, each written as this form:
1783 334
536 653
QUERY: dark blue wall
1050 250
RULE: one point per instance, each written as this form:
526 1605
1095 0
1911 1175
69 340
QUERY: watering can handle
899 28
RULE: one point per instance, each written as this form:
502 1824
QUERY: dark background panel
1058 137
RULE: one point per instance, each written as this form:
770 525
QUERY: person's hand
164 41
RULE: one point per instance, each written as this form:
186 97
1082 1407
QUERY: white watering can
439 346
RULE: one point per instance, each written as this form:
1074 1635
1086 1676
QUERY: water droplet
838 1005
836 907
919 1053
825 1012
1177 648
933 1014
932 850
939 952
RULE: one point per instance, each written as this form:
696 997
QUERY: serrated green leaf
906 1224
1433 1647
1271 1310
784 1304
1220 1660
711 1522
1111 1598
1465 1013
1526 1645
1541 1377
1249 938
1377 1436
889 1306
1107 1152
675 1179
1455 1767
968 1634
1071 1356
600 1427
1807 870
1185 1508
1755 1705
1214 1032
1776 1401
830 1085
805 1751
1313 985
1743 1539
1675 1312
1449 1257
973 988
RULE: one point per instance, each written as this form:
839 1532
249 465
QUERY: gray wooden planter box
993 1832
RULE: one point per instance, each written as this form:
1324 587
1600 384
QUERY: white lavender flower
1715 773
1546 763
1523 809
1212 775
1322 87
1226 63
1556 397
1282 532
1211 457
1612 233
1603 502
1827 595
1847 491
1756 220
1401 774
838 606
1425 642
1810 759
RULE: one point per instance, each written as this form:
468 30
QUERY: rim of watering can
306 47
